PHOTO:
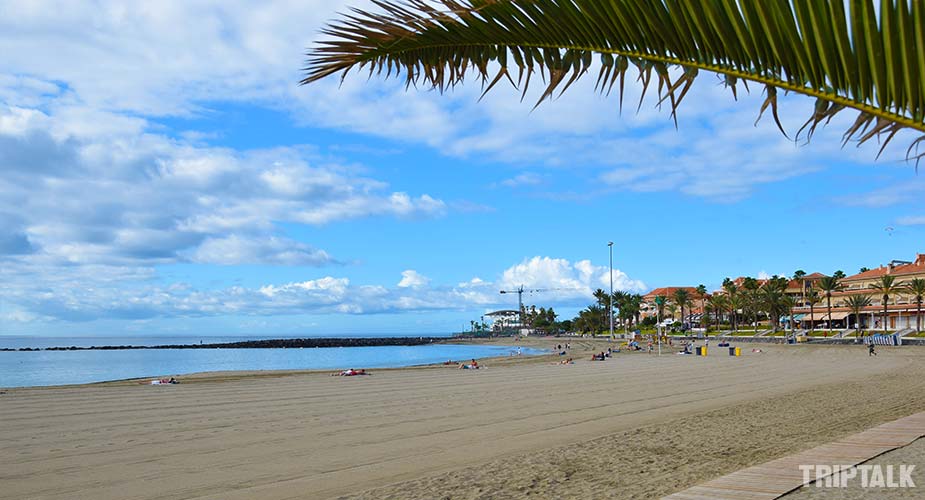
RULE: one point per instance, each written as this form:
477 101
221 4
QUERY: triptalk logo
870 476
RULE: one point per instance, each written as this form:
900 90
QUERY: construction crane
520 297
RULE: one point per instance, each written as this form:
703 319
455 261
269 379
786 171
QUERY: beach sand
635 426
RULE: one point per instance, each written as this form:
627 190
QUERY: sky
164 173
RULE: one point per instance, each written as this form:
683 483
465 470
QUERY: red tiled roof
873 273
668 291
798 283
917 267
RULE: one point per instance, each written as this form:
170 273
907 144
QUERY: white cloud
412 279
565 278
134 197
908 191
234 249
911 220
524 179
95 292
173 58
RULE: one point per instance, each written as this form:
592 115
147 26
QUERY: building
797 288
901 309
504 320
648 307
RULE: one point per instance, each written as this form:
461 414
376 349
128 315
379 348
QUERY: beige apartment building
901 308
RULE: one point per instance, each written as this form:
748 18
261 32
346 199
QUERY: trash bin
701 350
732 351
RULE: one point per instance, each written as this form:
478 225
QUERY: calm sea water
21 369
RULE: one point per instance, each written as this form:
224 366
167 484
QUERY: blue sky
163 173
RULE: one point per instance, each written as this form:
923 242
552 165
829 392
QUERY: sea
43 368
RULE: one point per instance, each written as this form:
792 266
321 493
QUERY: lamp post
659 300
610 245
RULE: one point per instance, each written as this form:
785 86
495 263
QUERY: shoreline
227 375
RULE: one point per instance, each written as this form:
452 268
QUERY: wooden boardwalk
779 477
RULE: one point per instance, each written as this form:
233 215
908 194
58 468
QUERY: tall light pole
610 245
659 300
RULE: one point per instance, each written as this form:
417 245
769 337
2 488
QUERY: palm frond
845 57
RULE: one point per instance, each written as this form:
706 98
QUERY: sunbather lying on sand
471 366
162 381
349 373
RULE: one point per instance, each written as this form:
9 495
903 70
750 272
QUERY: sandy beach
635 426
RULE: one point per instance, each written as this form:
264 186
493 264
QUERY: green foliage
886 287
916 288
857 303
844 54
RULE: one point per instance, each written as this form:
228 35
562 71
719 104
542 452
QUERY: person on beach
350 373
472 366
163 381
871 350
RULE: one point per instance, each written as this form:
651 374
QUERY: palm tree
812 298
736 303
827 286
602 298
660 302
720 305
857 303
844 54
789 302
732 291
772 297
751 298
633 305
682 297
916 288
702 294
713 303
885 287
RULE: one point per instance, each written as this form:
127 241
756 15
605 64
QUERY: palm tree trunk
886 300
828 324
918 317
812 323
857 325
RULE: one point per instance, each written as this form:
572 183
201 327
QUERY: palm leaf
855 58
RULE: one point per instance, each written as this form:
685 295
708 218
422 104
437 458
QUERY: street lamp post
610 245
659 300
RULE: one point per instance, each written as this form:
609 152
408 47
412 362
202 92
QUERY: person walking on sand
870 350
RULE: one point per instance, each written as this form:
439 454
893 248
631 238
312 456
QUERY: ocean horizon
46 368
45 341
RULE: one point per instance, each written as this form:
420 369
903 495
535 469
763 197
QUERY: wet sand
635 426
